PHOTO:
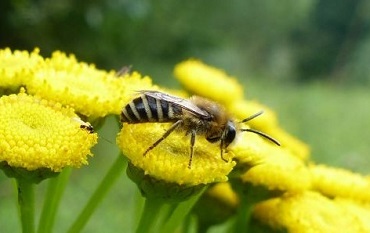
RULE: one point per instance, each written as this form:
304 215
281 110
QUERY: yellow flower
169 160
269 165
268 124
361 211
307 212
336 182
37 134
208 81
16 66
90 91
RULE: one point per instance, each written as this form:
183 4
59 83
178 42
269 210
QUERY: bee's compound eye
229 133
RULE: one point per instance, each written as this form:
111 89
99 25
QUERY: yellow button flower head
90 91
336 182
38 134
307 212
270 166
16 66
169 160
208 81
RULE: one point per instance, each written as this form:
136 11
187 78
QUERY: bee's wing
183 103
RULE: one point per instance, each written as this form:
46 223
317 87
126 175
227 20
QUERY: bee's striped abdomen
148 109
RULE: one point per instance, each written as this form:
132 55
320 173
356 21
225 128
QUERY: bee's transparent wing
182 103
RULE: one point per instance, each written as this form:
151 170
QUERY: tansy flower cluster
45 106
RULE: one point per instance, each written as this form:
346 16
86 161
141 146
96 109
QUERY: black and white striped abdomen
148 109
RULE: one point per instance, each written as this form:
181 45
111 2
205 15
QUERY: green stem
243 217
26 201
110 178
249 196
54 193
139 206
151 215
180 211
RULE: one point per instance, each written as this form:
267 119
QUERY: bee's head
227 135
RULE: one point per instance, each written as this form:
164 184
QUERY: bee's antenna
252 117
256 131
262 134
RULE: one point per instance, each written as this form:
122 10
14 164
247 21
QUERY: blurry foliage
291 40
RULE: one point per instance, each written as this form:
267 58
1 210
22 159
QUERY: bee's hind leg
164 136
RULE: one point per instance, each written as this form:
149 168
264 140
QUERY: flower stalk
180 212
26 202
99 194
154 211
54 194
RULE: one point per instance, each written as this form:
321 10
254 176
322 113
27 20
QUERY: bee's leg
192 142
164 136
222 145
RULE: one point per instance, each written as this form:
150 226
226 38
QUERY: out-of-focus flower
16 67
270 166
311 212
360 210
201 79
337 182
268 124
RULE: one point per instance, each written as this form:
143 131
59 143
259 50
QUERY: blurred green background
306 59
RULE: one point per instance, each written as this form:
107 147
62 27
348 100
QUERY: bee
195 116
